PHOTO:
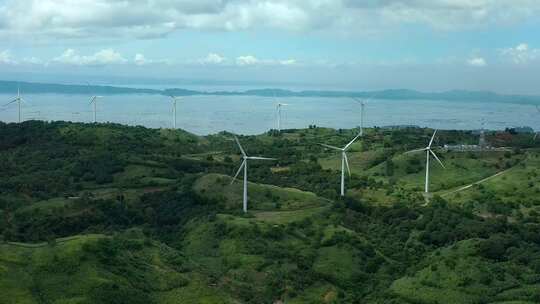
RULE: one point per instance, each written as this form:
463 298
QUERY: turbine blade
7 104
432 138
347 163
415 151
238 172
361 101
331 147
352 141
240 146
260 158
437 158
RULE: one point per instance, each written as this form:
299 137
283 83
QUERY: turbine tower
279 105
19 100
244 166
536 134
482 141
93 101
428 152
344 160
278 113
174 100
362 113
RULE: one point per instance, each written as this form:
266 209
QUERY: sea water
208 114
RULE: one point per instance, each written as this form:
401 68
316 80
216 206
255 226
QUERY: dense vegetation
104 213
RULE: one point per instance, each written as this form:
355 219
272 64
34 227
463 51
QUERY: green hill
104 213
127 268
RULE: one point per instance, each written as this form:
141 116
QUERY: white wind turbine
244 165
93 101
362 113
278 108
174 100
536 134
19 100
344 160
428 152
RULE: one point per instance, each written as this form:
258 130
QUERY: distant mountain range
10 87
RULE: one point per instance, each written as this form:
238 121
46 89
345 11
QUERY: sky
427 45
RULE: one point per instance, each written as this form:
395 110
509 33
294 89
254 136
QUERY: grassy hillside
261 197
127 268
105 213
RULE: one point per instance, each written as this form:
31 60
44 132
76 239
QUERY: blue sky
429 45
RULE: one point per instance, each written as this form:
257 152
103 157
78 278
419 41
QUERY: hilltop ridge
10 87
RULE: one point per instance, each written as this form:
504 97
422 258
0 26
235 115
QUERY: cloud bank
157 18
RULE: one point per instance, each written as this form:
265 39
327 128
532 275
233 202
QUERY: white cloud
33 60
212 58
477 62
139 59
246 60
521 53
156 18
100 58
7 58
288 62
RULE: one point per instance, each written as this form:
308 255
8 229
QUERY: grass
358 161
286 217
458 275
336 262
197 291
518 184
460 170
66 272
20 266
56 202
261 197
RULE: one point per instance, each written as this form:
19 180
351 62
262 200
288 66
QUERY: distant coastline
10 87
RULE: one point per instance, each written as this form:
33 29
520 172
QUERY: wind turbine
93 101
428 152
362 113
344 160
536 134
174 100
278 108
19 100
244 166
